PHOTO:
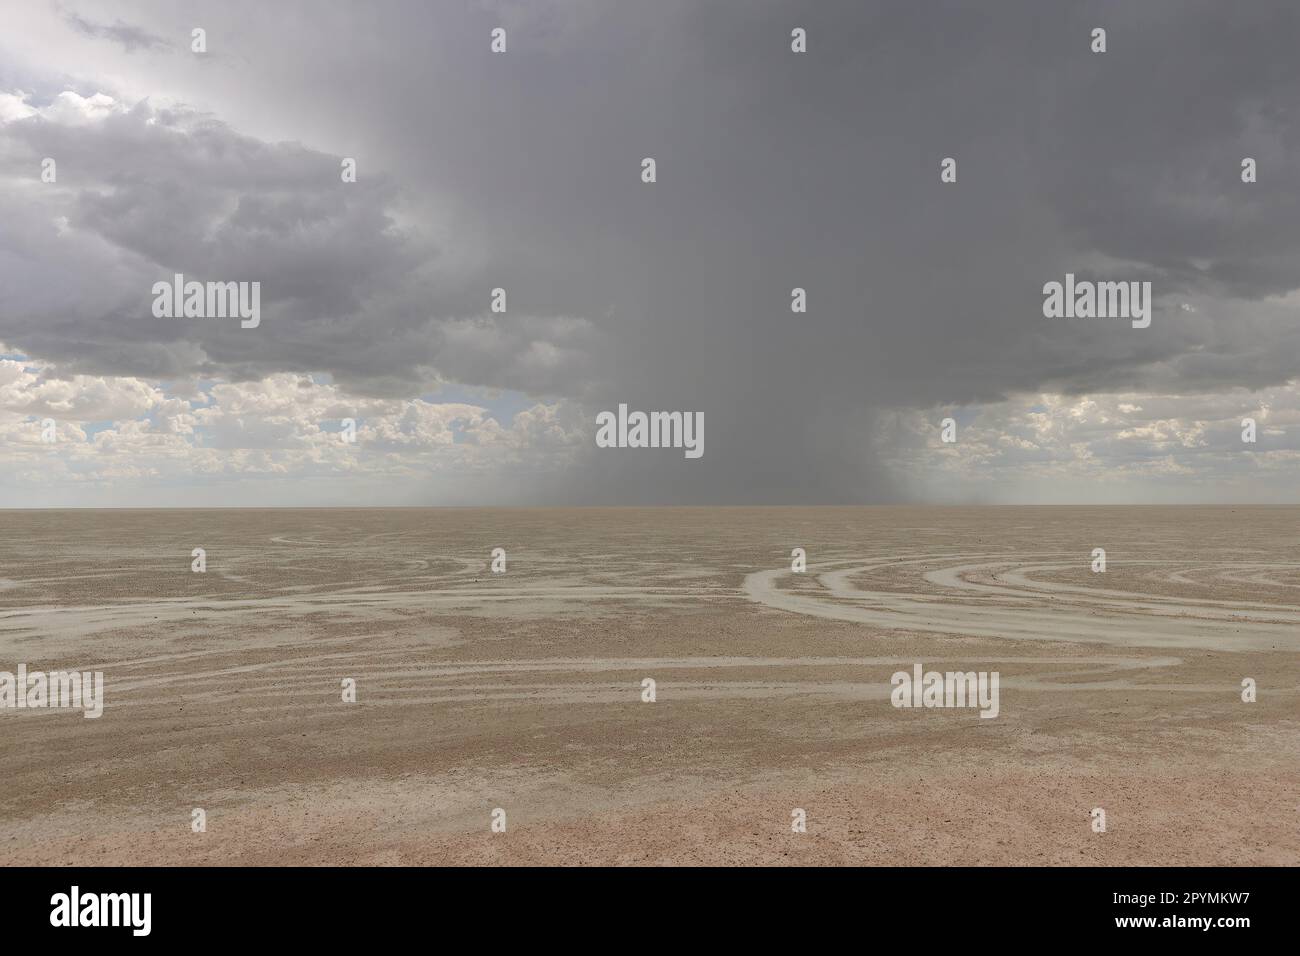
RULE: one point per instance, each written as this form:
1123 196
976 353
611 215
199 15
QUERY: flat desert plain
523 690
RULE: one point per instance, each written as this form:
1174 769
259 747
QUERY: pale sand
523 690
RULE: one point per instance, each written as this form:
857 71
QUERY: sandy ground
522 691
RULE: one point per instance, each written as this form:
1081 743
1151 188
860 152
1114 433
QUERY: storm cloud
775 170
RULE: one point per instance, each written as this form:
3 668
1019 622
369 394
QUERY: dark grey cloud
130 37
148 193
776 170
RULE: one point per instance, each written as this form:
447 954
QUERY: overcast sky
522 170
